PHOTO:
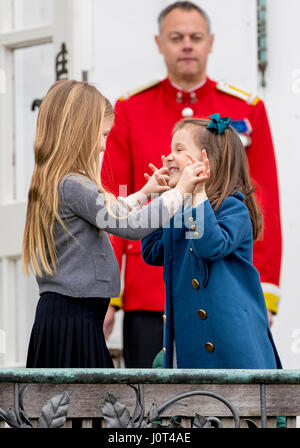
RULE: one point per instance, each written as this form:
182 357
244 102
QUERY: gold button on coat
195 283
193 227
202 314
196 234
164 349
191 219
209 347
164 317
191 250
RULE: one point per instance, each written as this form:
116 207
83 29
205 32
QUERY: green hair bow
218 124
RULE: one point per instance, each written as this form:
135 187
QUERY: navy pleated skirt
68 332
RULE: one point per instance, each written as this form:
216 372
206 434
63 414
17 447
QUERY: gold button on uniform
195 283
191 219
164 317
191 250
202 314
209 347
193 227
196 234
164 349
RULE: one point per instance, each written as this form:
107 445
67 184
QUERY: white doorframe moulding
27 37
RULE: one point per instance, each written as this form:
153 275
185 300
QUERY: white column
73 25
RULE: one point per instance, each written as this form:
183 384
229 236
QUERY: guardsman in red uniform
142 133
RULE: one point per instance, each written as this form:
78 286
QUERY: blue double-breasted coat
215 309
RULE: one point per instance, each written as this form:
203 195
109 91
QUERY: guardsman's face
185 43
177 160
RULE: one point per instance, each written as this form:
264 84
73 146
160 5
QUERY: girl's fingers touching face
197 164
191 158
162 179
164 170
205 159
199 169
153 167
163 159
204 155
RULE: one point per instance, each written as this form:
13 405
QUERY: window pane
27 13
33 75
27 296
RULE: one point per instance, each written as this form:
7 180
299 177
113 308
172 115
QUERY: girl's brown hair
228 166
67 141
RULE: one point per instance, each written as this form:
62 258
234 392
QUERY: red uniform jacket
142 133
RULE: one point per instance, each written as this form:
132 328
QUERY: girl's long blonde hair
67 141
228 166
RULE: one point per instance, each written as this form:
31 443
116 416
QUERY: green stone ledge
149 376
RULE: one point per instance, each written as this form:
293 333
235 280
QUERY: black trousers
142 337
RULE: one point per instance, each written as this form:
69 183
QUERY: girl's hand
199 193
193 174
158 182
109 321
163 161
204 176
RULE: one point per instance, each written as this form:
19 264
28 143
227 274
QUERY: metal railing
148 398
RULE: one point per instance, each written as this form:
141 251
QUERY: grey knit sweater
87 266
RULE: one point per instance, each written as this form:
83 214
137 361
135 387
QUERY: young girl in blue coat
215 312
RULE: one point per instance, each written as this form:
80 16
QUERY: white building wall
125 55
113 40
282 97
